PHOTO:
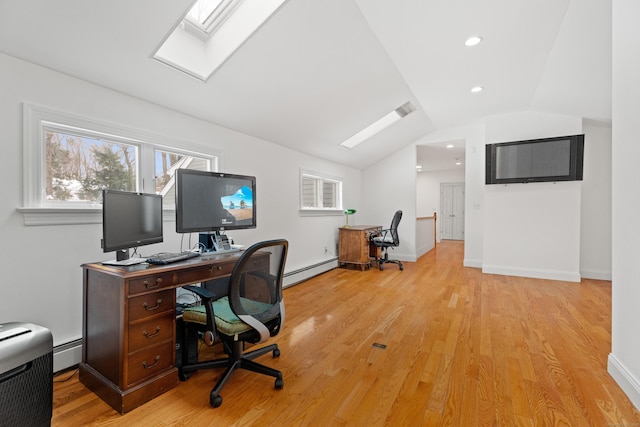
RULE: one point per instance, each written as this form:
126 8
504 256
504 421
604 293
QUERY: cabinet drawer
150 332
204 273
150 283
149 362
149 304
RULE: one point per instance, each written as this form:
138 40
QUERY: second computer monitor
214 201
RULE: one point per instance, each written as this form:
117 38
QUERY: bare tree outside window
79 167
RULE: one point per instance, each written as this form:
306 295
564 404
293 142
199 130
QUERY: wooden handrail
434 217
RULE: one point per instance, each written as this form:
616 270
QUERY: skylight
379 125
206 16
202 10
210 32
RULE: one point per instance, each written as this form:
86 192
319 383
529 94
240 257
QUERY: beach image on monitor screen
239 204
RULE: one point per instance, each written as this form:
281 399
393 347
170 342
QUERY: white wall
595 225
41 264
624 360
532 230
388 186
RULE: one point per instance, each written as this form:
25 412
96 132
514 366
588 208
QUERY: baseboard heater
300 275
67 355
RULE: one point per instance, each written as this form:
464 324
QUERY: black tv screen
214 201
538 160
130 220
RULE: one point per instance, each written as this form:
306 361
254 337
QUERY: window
320 193
68 160
79 164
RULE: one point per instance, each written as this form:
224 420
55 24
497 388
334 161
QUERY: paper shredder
26 375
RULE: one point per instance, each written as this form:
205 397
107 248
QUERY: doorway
452 211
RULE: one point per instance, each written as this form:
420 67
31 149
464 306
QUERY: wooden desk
354 246
128 326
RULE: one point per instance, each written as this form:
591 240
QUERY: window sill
67 216
61 216
321 212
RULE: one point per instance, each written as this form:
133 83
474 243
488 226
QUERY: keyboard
169 257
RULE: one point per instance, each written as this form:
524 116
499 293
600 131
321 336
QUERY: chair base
236 360
386 260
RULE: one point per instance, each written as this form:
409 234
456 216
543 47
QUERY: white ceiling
319 71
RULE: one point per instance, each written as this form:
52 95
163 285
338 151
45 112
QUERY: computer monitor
214 201
130 220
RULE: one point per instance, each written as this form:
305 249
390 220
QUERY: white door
452 211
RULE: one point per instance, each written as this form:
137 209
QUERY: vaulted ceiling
319 71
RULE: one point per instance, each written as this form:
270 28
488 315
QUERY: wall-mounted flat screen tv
535 160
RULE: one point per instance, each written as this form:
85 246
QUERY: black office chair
388 239
252 312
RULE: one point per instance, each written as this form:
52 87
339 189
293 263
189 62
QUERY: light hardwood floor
462 349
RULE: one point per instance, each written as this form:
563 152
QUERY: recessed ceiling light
418 167
458 163
477 89
473 40
450 146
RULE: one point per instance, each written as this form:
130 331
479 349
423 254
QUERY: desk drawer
150 283
149 362
150 332
204 273
259 262
150 304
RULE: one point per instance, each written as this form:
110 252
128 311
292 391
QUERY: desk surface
143 269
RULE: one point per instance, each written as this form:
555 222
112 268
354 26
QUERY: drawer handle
155 307
214 267
148 335
146 366
153 286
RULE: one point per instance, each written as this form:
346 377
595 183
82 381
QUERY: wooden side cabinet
354 246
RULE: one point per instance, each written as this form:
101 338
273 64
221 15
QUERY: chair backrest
255 287
394 227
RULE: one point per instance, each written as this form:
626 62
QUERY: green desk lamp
348 212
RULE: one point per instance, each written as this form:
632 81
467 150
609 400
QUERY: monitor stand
122 254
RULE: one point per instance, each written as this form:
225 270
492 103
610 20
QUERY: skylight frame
191 51
206 28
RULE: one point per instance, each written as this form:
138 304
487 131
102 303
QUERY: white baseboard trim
475 263
67 355
627 382
596 274
566 276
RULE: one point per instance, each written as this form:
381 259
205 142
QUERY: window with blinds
320 192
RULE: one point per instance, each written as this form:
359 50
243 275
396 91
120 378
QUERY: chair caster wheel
276 353
401 268
215 400
279 383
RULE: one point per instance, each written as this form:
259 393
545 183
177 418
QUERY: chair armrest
204 293
207 297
